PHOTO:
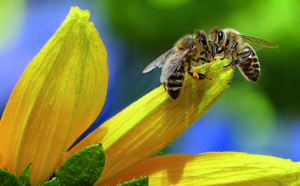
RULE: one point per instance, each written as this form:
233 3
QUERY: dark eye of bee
220 36
202 40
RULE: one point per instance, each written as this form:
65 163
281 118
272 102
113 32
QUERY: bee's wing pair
160 61
168 61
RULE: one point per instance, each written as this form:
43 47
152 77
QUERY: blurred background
258 118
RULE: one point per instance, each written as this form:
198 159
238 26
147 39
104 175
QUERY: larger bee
190 50
231 43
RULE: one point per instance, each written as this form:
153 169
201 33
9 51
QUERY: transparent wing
259 42
172 64
160 61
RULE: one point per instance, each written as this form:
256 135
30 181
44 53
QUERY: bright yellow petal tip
214 168
59 95
155 120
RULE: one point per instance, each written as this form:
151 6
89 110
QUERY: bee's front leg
239 60
204 59
213 49
230 50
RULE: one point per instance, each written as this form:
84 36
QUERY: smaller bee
190 50
237 47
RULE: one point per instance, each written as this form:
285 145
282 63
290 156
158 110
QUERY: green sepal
83 168
53 182
24 176
8 179
143 181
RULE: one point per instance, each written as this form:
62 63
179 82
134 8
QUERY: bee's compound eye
202 41
220 35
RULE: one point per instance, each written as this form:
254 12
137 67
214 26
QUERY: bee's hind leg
164 83
196 75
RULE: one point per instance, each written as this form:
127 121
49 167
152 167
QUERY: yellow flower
61 93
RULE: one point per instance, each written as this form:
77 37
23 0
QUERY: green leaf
7 178
24 176
143 181
53 182
83 168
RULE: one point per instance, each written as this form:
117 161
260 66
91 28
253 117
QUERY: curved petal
59 95
155 120
214 168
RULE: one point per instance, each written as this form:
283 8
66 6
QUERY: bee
190 50
231 43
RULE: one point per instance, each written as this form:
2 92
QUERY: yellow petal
59 95
215 168
155 120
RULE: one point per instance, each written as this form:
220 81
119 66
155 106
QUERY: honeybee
190 50
231 43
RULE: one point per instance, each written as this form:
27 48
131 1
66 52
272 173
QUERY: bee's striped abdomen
174 83
250 68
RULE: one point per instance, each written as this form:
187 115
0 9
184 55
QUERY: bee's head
202 38
216 39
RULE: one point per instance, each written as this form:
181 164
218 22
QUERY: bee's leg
213 49
202 59
164 85
230 50
211 55
227 43
244 53
196 62
202 76
220 51
205 58
196 75
239 60
226 49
